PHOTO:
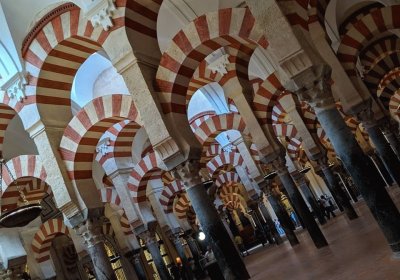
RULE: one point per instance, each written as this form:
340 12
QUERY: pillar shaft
284 219
391 137
135 259
228 258
94 241
364 174
181 252
270 223
382 169
299 204
154 250
305 189
340 195
385 152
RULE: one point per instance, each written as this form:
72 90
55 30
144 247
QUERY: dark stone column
148 235
298 202
317 92
176 239
228 258
321 174
194 249
388 131
282 215
339 193
135 259
383 149
305 189
382 168
94 241
270 223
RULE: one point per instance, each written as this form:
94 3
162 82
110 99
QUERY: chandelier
23 214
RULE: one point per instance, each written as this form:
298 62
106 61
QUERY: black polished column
194 249
135 259
360 167
176 239
94 242
298 202
339 192
305 189
283 217
383 170
389 131
270 223
228 258
383 149
322 175
148 235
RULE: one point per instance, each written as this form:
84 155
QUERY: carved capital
90 231
100 13
15 86
316 88
189 173
148 236
103 146
167 149
366 116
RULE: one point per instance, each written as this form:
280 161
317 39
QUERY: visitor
209 254
328 209
279 227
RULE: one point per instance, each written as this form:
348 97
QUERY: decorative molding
167 149
219 65
15 86
100 13
103 146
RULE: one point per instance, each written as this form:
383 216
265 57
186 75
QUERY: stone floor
357 250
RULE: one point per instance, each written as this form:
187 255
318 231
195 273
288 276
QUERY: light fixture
22 215
202 236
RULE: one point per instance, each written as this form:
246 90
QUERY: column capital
364 113
90 232
189 173
279 164
316 90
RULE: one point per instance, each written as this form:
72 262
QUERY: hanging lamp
22 215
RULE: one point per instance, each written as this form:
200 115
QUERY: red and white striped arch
234 201
44 236
361 33
378 50
227 178
54 50
125 226
390 88
145 170
169 193
394 105
213 126
198 119
121 137
228 189
182 206
234 159
8 109
81 136
192 44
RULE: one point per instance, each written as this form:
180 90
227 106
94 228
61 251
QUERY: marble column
305 189
340 195
228 258
134 257
383 149
318 93
94 242
387 130
298 202
382 169
149 237
283 216
174 235
194 249
270 223
321 174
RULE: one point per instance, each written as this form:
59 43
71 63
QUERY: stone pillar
322 175
318 93
270 223
387 130
228 258
298 202
305 189
174 235
94 241
135 258
383 149
149 237
338 192
381 168
283 216
194 249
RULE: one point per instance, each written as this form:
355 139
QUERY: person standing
328 209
